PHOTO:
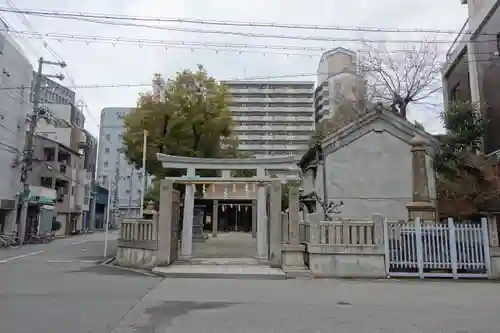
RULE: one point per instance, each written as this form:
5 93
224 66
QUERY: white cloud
127 64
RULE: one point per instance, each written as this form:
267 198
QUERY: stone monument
198 215
421 205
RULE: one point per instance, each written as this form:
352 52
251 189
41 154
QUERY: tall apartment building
273 118
472 69
16 72
112 163
338 80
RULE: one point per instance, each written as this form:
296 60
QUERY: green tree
153 193
467 179
187 117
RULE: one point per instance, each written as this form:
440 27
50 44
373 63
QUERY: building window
105 163
106 150
455 91
108 137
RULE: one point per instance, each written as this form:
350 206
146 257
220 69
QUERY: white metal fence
449 249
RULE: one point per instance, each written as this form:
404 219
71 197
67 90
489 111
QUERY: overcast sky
103 64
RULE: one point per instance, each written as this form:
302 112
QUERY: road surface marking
71 261
21 256
80 242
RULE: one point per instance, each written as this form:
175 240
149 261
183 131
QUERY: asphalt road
316 306
60 287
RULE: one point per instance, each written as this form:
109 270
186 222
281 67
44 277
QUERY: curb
109 263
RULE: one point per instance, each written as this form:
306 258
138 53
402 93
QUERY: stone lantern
149 212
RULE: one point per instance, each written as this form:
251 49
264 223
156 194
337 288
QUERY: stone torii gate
226 165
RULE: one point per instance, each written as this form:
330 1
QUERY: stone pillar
254 218
275 224
262 245
187 221
294 252
215 218
494 247
421 205
293 212
164 227
226 173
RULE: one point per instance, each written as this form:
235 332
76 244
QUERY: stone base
251 272
495 262
136 258
198 234
293 256
424 210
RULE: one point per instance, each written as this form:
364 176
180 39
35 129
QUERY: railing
439 249
341 232
464 33
138 233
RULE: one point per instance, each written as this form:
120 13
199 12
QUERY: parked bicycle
39 239
9 240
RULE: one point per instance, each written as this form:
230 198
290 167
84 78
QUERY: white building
272 118
113 165
15 82
338 80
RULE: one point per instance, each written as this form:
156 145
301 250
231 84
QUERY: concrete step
224 261
226 271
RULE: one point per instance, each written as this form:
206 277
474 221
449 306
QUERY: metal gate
448 249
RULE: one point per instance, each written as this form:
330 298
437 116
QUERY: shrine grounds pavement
339 306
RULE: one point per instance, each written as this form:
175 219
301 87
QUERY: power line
30 27
223 23
271 36
194 46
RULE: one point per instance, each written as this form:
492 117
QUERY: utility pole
116 196
143 172
37 114
93 196
130 186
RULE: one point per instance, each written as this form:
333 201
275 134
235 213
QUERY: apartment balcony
79 139
272 147
306 129
271 100
54 169
273 118
264 109
274 137
271 91
457 47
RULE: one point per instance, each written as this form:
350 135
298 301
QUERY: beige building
338 80
61 168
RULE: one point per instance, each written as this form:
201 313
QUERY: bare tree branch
402 78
